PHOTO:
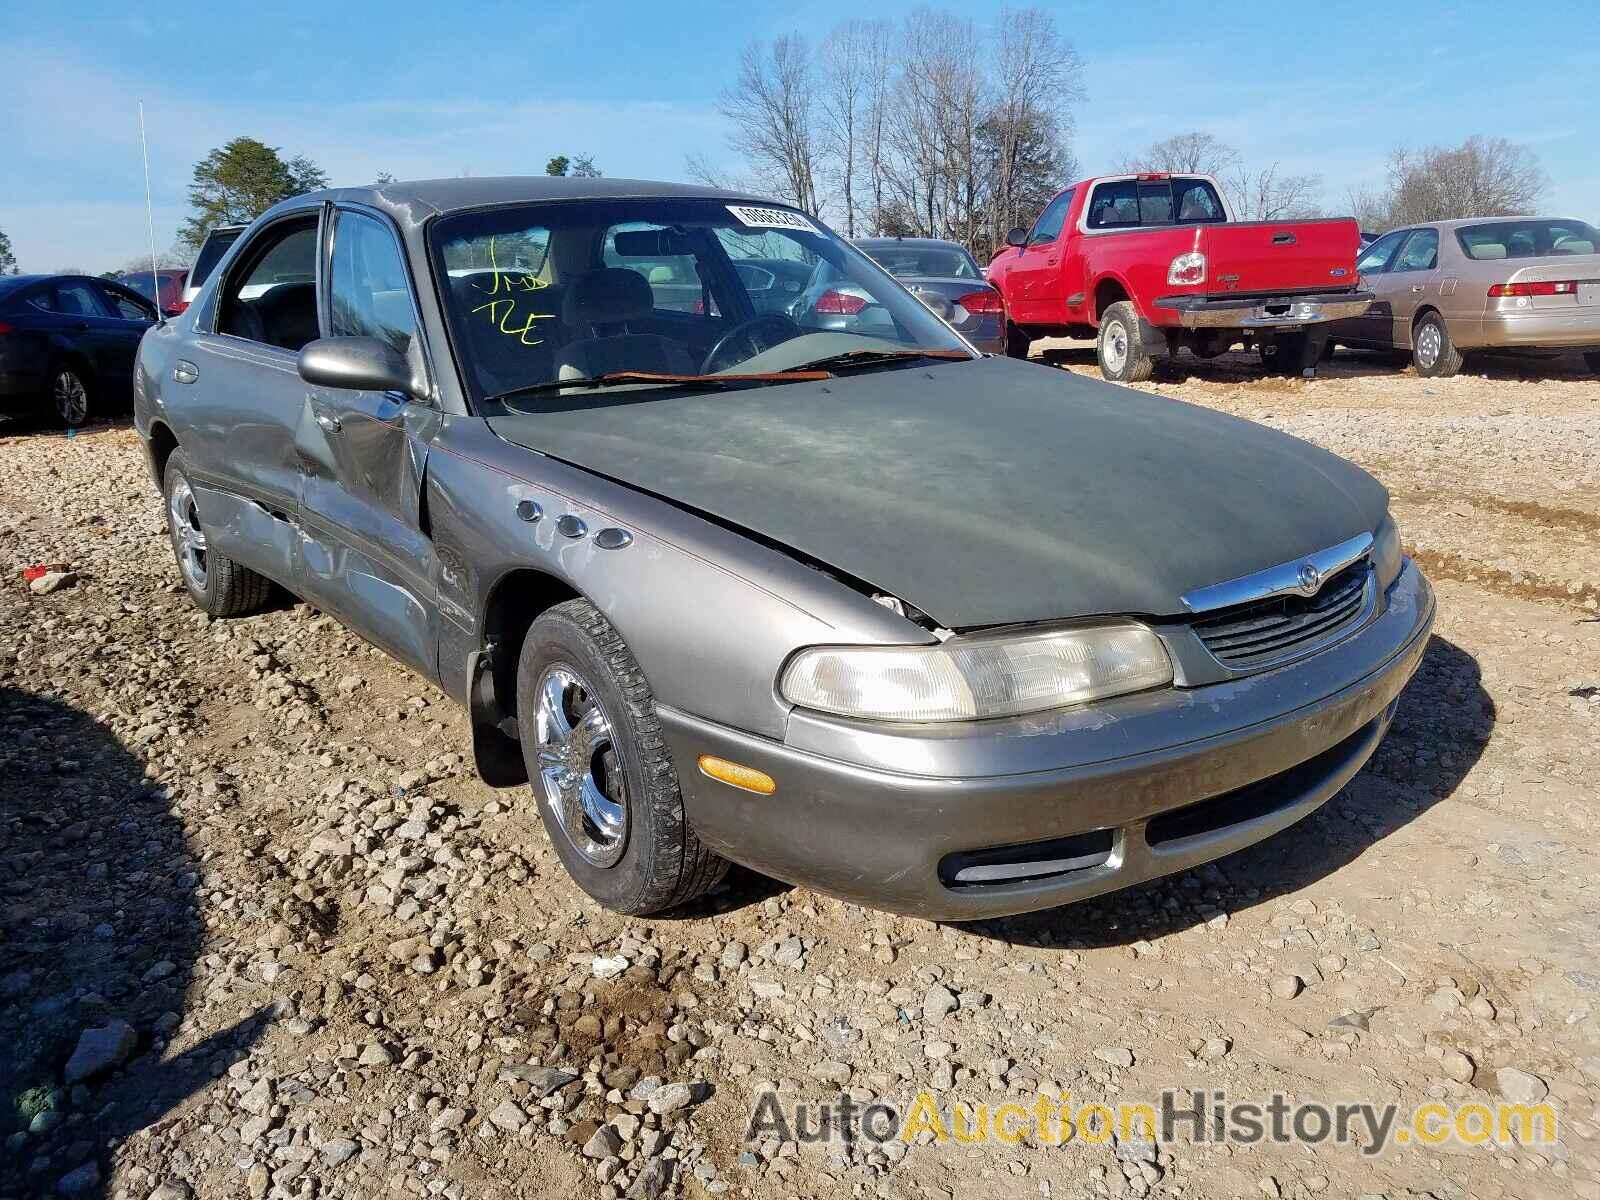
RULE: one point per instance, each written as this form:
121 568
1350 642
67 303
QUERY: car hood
982 493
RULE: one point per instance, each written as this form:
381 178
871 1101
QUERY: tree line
925 127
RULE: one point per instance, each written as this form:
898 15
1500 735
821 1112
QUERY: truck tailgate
1251 257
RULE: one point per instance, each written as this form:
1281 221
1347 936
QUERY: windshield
577 290
912 261
1527 239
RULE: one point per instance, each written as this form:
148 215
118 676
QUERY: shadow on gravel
1439 732
99 931
1238 366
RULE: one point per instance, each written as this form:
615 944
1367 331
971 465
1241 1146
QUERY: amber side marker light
736 775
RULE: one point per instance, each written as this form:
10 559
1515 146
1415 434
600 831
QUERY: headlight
1386 554
969 679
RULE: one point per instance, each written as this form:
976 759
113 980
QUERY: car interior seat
598 308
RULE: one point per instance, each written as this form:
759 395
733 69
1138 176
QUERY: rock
449 1118
733 954
606 968
258 1100
257 1181
376 1054
339 1151
1458 1066
101 1049
172 1189
937 1002
1215 1048
832 1071
80 1181
937 1050
1117 1056
788 953
1287 987
45 1122
543 1080
673 1097
605 1142
651 1182
1519 1086
508 1116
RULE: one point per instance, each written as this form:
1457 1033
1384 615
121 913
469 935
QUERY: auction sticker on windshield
770 218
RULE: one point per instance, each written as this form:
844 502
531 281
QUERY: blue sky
422 89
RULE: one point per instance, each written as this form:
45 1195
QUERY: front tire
219 586
602 775
1123 358
1018 343
1432 352
70 395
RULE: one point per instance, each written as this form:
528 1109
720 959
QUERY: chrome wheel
71 397
188 539
1114 347
580 768
1430 343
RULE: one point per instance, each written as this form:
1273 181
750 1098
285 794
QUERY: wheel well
1106 293
162 444
1420 313
514 604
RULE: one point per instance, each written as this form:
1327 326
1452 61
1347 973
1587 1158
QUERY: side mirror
1017 236
365 364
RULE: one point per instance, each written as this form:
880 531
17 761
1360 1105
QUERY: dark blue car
67 345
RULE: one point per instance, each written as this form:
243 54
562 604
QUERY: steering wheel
748 335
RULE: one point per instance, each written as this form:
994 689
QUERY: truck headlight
973 678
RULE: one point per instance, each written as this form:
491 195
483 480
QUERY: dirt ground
262 933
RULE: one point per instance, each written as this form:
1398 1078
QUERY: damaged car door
364 452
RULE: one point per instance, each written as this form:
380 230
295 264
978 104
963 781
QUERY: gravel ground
263 934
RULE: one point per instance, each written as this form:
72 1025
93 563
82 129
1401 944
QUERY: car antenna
149 218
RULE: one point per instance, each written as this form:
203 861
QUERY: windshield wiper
621 378
867 358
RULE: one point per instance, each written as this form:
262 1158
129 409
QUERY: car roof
420 199
1461 222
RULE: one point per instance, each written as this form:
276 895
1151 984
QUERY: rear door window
216 245
78 298
128 306
1420 253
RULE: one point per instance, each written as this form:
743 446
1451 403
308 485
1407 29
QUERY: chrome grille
1274 631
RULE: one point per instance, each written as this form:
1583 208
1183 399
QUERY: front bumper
1136 788
1264 312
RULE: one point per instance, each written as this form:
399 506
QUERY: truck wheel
219 586
1432 352
603 778
1017 341
1591 359
1123 358
1285 355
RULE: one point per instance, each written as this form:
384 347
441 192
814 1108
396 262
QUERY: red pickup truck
1155 263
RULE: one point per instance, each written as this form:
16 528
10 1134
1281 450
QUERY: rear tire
1018 342
1591 359
71 395
601 772
1432 352
1123 358
219 586
1285 355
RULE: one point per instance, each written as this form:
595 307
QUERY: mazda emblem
1308 579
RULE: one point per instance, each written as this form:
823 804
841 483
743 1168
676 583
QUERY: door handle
329 422
184 371
1419 287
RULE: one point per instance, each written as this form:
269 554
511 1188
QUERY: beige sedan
1498 283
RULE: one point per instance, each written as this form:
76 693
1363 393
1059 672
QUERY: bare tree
1482 177
771 110
1192 153
842 70
1038 78
1268 195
